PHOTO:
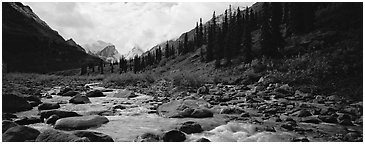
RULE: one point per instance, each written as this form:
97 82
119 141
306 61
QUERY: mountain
94 48
30 45
135 51
73 43
109 53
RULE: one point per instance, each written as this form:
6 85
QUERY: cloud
125 24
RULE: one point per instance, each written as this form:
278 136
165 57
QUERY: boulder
52 135
64 90
27 121
61 114
202 140
203 90
303 113
79 99
70 93
33 100
52 119
231 110
20 134
14 103
93 136
48 106
345 119
190 127
7 124
148 137
185 108
311 119
82 122
174 136
95 93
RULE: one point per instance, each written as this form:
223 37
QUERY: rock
20 134
64 90
124 94
352 137
311 119
52 119
119 107
173 136
52 135
327 118
300 139
184 108
302 113
231 110
8 116
290 125
203 90
7 124
61 114
70 93
14 103
334 98
48 106
27 121
201 113
82 122
245 114
95 93
33 100
79 99
148 137
284 89
190 127
93 136
345 119
202 140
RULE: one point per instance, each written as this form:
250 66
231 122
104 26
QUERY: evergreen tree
101 66
201 37
83 69
247 41
211 39
167 50
277 38
301 17
186 45
266 35
196 37
111 67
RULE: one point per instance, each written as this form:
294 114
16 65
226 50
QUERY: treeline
233 37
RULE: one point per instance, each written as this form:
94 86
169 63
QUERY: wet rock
311 119
82 122
48 106
61 114
328 118
352 137
184 108
203 90
8 116
202 140
190 127
7 124
20 134
93 136
70 93
95 93
52 135
52 119
173 136
26 120
79 99
14 103
64 90
33 100
148 137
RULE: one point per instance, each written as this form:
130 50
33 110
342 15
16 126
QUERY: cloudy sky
125 24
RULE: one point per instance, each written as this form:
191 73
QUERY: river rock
95 93
352 137
173 136
27 121
82 122
61 114
79 99
203 90
14 103
148 137
202 140
93 136
52 119
52 135
64 90
124 94
20 134
311 119
185 108
328 118
33 100
48 106
7 124
190 127
70 93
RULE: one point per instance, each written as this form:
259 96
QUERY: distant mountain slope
133 52
73 43
30 45
96 47
109 53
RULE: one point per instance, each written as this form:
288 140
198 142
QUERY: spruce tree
167 50
266 36
247 41
186 45
277 38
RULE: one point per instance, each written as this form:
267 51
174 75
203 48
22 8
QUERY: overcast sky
125 24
